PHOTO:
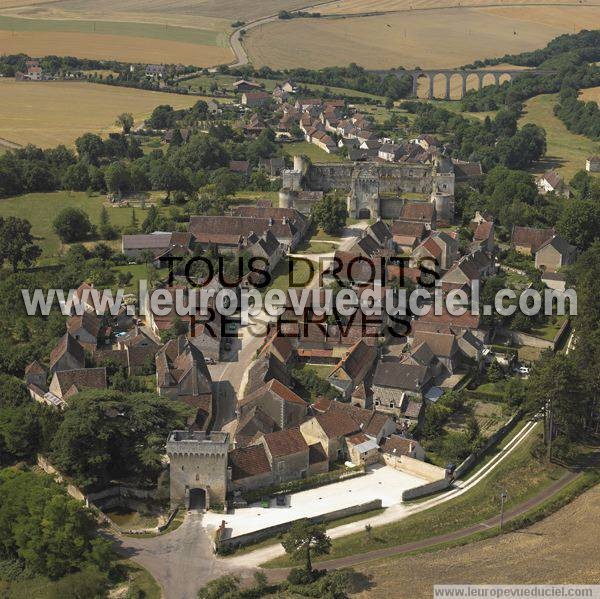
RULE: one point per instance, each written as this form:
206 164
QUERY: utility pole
503 498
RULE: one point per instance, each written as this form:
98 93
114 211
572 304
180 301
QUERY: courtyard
380 482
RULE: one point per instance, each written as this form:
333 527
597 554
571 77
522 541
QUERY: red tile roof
248 461
286 442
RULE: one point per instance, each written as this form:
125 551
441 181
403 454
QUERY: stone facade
374 188
198 463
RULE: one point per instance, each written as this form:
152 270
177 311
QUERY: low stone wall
437 478
221 541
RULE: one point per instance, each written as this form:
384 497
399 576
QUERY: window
280 466
182 467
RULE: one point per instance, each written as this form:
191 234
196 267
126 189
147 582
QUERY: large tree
330 214
109 434
16 242
305 541
125 120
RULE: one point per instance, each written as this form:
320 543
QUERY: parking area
380 482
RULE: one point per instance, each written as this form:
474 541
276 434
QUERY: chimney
271 222
284 220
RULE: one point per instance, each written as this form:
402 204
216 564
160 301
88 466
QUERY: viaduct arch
448 74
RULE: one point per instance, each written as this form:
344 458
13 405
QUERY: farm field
432 38
591 94
562 548
219 11
367 6
567 151
126 41
51 113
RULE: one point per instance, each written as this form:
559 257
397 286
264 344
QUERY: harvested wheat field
226 10
563 548
51 113
112 47
434 38
591 94
126 41
369 6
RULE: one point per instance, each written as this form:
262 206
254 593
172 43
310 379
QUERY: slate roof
398 374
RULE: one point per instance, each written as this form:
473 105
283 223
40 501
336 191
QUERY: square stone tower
198 468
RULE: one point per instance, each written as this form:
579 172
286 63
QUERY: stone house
181 370
278 402
254 99
67 354
266 247
483 236
419 212
390 152
408 235
381 233
249 468
592 164
362 449
555 253
85 329
442 345
288 454
330 430
352 369
397 381
395 445
244 429
66 383
263 369
35 374
375 424
528 240
439 248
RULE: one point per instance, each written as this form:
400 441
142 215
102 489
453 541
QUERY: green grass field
311 151
520 474
202 37
567 151
41 208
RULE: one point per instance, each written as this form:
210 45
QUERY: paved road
181 561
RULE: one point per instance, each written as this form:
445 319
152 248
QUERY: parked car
209 361
523 370
280 499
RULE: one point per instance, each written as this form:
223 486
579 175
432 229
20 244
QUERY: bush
300 576
72 224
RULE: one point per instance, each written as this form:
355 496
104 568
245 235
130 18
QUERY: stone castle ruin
374 189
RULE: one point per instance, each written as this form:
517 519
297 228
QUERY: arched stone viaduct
431 74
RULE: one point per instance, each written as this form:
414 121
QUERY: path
353 560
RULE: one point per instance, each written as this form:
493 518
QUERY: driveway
181 561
